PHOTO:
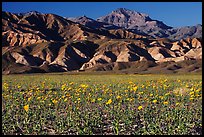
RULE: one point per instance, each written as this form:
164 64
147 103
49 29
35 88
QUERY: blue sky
175 14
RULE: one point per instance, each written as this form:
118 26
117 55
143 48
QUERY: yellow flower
93 100
63 87
29 98
165 103
151 95
99 99
191 98
109 102
78 99
131 99
65 99
67 94
177 104
140 107
154 101
84 86
187 86
167 94
54 101
198 90
135 88
26 107
197 95
118 97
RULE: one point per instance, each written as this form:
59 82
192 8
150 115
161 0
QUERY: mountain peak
121 9
84 17
123 17
129 12
32 13
81 19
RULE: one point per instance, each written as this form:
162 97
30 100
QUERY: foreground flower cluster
120 104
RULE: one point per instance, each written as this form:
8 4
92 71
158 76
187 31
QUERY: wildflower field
147 104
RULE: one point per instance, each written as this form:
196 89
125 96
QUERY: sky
175 14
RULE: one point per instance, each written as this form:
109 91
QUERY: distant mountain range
123 40
141 24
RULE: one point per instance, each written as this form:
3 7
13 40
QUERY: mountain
157 51
26 29
187 31
143 24
135 21
36 42
131 19
91 23
30 28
